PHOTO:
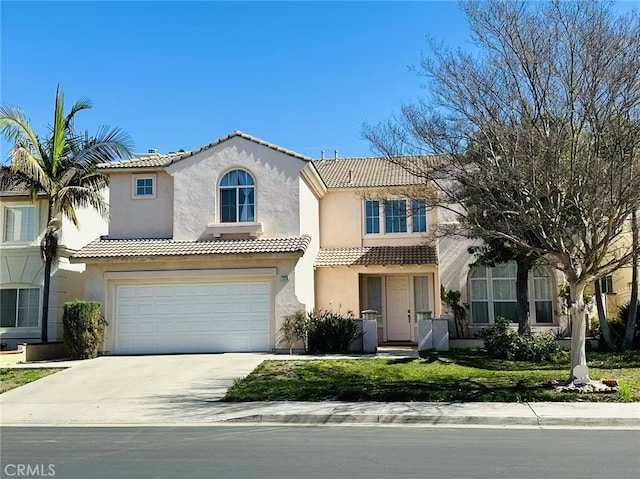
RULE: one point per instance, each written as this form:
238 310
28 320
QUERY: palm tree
62 167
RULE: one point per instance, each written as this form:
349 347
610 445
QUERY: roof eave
195 257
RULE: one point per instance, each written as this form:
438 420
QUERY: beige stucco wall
196 179
100 284
90 226
140 217
342 221
309 224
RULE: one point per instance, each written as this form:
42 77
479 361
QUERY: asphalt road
318 452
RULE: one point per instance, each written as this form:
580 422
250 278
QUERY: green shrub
329 332
618 326
83 329
503 342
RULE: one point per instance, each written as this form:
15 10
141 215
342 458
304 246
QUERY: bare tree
537 131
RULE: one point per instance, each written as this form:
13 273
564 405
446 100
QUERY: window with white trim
492 293
19 307
395 216
372 217
19 224
418 216
237 197
144 186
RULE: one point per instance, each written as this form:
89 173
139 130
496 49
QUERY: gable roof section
366 172
162 161
377 255
104 248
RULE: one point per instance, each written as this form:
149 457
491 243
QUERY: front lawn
453 376
11 378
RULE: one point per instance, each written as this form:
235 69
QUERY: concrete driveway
128 390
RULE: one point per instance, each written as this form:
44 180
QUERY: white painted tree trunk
578 328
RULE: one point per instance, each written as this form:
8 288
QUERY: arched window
492 293
237 197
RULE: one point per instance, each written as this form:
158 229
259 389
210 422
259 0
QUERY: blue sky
303 75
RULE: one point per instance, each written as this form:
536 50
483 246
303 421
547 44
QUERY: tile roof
155 160
377 255
366 172
131 248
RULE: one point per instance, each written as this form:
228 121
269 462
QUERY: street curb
385 419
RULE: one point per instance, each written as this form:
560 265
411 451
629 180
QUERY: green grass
12 378
452 376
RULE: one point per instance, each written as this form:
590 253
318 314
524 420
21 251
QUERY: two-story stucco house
22 267
207 250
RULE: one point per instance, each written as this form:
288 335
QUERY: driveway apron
128 389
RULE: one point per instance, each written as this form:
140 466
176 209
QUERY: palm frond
15 127
69 198
109 144
11 180
82 103
58 131
23 162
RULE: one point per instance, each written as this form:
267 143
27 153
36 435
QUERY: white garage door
190 318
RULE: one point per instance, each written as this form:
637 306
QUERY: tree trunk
522 295
605 331
627 343
45 299
578 327
48 249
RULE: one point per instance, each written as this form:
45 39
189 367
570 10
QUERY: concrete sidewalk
193 411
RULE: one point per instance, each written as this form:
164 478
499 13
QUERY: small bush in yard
294 328
83 329
329 332
503 342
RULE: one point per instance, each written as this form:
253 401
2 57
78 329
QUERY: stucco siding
140 218
342 221
90 226
196 181
309 224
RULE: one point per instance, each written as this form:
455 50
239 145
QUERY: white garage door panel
173 318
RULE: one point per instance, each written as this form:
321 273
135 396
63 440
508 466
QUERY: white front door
398 309
192 318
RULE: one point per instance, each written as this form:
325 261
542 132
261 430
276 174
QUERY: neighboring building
207 250
380 251
22 267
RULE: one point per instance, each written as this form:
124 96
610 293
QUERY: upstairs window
418 216
395 216
144 187
19 224
237 197
372 217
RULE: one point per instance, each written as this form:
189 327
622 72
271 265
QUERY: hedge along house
207 250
